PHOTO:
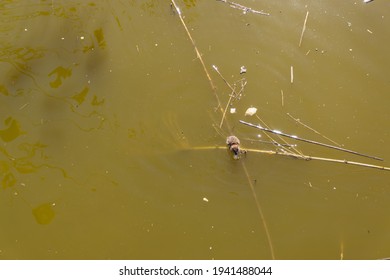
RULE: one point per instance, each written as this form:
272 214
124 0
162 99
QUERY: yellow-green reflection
44 213
12 131
4 90
80 97
99 35
8 180
60 73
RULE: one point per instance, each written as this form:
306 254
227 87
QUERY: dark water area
112 148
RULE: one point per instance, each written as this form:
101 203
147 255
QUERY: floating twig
281 91
198 55
233 94
219 73
260 210
270 142
226 108
243 8
292 74
292 147
303 28
312 129
298 156
308 141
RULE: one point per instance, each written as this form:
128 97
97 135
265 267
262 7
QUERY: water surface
104 104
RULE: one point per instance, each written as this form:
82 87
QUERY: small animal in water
233 144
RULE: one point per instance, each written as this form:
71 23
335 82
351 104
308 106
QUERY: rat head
231 140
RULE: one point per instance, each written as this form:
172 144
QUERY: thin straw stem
303 28
231 95
260 210
281 138
309 141
198 55
303 157
312 129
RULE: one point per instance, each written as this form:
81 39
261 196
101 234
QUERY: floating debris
243 8
232 110
251 111
303 29
308 141
367 1
242 70
205 199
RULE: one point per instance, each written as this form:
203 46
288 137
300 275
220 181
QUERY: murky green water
104 102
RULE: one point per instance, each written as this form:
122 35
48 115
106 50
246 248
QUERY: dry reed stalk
385 168
292 74
341 250
198 55
303 28
226 108
231 95
259 208
223 78
312 129
281 91
308 141
244 9
303 157
293 147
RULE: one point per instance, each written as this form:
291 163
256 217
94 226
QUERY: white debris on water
232 110
251 111
205 199
242 70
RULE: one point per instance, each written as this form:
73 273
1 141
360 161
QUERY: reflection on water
44 213
12 131
109 128
61 74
